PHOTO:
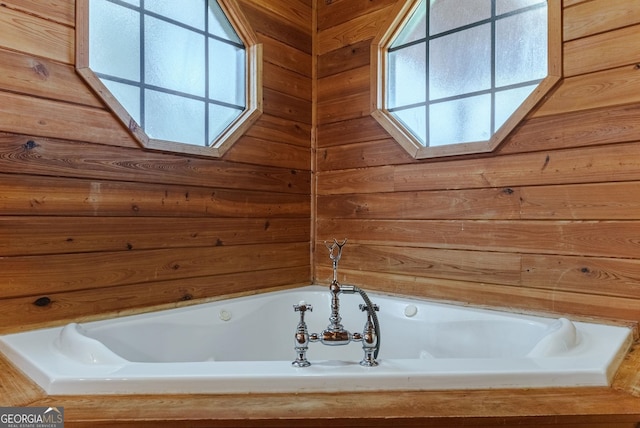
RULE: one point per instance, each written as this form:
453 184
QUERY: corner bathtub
246 345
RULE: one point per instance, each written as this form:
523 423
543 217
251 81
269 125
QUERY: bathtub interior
261 329
246 345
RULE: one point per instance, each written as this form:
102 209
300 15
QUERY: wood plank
286 107
566 407
344 108
41 235
342 59
363 27
25 195
16 390
357 130
262 152
360 155
522 299
604 201
335 12
266 21
50 274
604 51
576 166
485 266
285 56
18 314
28 115
61 11
599 276
579 238
287 82
40 77
581 165
607 88
598 16
608 125
292 12
369 180
59 158
30 34
281 130
354 81
490 204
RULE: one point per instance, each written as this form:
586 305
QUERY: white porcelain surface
246 345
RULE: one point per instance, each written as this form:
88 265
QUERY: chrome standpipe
335 334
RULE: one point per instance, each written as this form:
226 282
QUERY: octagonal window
455 77
181 76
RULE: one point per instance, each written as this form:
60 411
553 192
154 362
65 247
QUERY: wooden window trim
379 46
230 135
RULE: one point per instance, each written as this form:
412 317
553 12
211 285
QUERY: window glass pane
460 63
189 12
219 118
508 101
521 47
414 119
174 118
445 15
460 121
174 57
114 37
226 73
504 6
407 82
415 29
127 95
219 25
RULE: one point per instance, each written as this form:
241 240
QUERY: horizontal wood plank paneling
43 78
552 214
580 165
55 197
99 225
607 88
362 27
36 36
68 235
598 16
23 114
49 157
608 50
582 238
62 11
88 304
69 272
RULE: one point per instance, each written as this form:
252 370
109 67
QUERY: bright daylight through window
456 76
178 74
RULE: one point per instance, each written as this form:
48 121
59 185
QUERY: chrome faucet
335 333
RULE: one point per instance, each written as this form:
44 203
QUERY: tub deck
617 406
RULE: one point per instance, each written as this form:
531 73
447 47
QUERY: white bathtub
247 345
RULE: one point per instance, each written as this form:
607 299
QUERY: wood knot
186 296
42 301
30 145
41 70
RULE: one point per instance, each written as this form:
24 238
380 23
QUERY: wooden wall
548 223
90 223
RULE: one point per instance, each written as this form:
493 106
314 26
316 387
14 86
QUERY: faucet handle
365 308
303 307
